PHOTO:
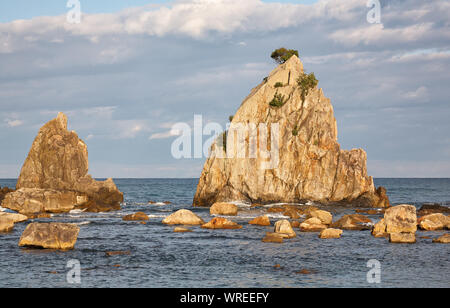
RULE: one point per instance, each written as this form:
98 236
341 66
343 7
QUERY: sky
132 69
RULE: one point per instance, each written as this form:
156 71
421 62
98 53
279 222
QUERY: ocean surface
225 258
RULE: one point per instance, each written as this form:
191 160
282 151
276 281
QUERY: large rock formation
54 176
311 164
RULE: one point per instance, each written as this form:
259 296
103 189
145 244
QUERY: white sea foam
77 211
2 209
82 223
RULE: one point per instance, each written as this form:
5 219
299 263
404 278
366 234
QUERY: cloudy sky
131 69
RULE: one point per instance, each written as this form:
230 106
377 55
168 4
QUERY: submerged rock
330 233
310 165
50 236
221 223
284 228
353 222
181 230
139 216
432 208
444 239
183 217
272 237
222 208
54 177
260 221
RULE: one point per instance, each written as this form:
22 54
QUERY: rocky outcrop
309 165
284 228
399 224
183 217
221 208
330 233
50 236
221 223
54 176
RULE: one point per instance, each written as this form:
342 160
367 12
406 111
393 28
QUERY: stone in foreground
260 221
273 238
284 228
183 217
330 233
407 238
309 163
221 223
444 239
221 208
50 236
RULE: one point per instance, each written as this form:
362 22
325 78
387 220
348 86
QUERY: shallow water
224 258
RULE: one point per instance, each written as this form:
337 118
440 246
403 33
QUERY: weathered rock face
3 192
311 164
50 236
54 176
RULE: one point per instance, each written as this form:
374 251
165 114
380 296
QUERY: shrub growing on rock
281 55
307 82
278 100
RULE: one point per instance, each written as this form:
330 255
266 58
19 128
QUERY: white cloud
13 123
163 135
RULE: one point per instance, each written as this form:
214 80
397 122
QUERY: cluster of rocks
55 179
